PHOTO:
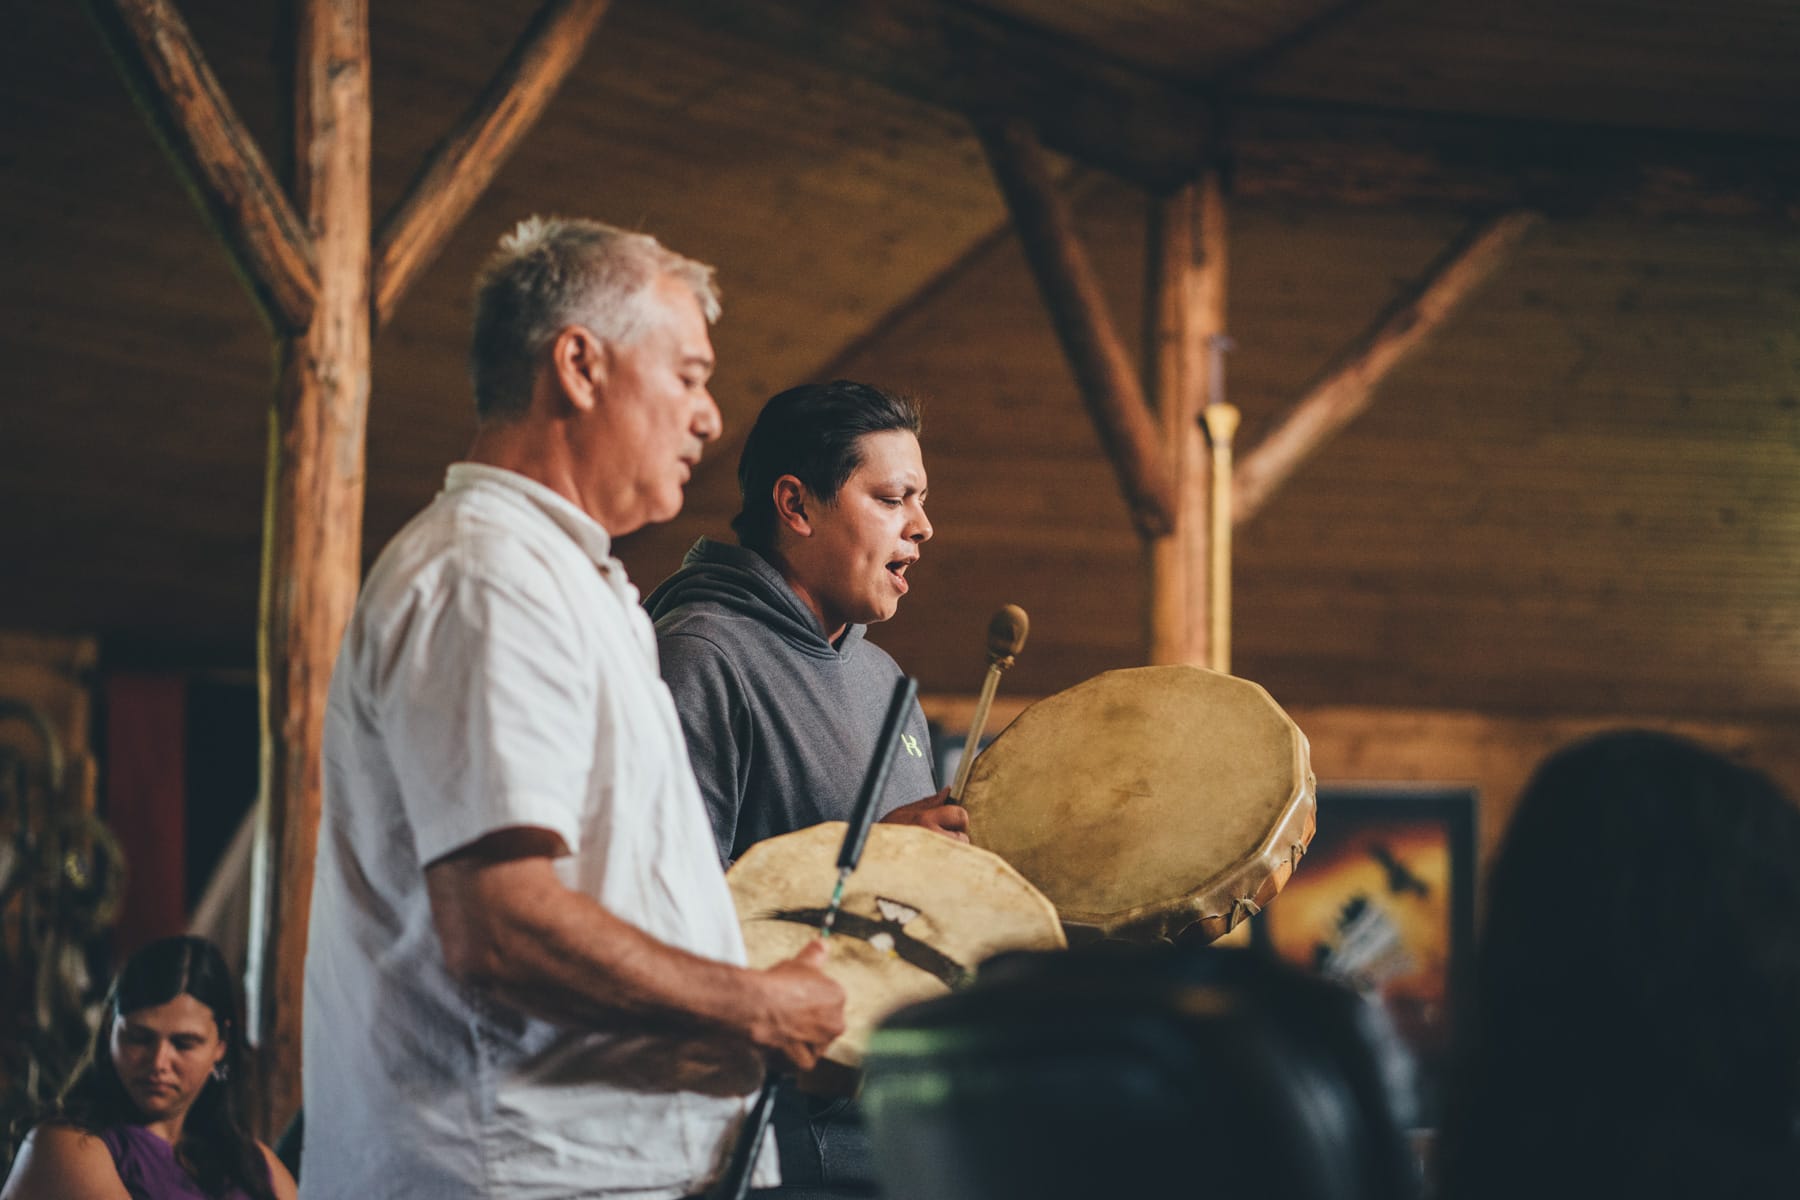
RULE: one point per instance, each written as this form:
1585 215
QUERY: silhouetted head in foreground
1636 1019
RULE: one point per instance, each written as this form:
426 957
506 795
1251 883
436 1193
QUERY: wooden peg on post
1221 421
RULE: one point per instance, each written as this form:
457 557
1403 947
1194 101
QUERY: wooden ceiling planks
1607 525
1169 37
1666 64
1580 497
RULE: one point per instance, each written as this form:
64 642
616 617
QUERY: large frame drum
920 913
1149 803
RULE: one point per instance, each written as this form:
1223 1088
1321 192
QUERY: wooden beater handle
1006 637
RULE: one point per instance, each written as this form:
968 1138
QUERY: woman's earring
220 1071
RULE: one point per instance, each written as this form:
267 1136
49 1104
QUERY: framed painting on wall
1385 901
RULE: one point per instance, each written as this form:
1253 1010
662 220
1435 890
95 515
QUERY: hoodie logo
912 745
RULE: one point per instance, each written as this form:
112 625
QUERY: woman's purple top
148 1168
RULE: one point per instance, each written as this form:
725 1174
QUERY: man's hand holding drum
806 1012
933 812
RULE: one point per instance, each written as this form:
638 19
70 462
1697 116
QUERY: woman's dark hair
814 433
215 1145
1637 990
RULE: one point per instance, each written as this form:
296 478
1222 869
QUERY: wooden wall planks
1565 504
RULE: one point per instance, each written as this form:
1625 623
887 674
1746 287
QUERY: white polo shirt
498 672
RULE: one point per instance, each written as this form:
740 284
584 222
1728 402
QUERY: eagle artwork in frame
1385 901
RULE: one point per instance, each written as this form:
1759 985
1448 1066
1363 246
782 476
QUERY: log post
312 522
1187 292
1109 383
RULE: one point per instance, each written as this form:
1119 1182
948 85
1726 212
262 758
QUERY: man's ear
791 500
580 362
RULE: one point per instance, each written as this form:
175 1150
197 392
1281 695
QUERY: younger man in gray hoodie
781 698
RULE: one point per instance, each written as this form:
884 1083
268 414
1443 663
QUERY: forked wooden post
1221 421
312 524
1187 273
309 266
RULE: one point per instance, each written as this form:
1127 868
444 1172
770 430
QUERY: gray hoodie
780 723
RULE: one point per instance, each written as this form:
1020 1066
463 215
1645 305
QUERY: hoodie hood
741 581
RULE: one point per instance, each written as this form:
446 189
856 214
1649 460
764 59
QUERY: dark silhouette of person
1635 1023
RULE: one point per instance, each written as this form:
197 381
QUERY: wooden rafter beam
1348 387
1109 384
215 155
460 167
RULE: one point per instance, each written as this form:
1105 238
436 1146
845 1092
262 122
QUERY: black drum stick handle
734 1184
906 692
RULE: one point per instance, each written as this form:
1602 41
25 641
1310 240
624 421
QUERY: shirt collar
587 533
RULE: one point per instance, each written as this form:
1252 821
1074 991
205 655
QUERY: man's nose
921 528
710 422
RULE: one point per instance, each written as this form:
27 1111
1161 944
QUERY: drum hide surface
920 913
1147 801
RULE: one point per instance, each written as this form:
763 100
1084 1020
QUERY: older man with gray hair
525 975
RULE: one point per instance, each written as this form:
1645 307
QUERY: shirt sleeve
490 704
715 721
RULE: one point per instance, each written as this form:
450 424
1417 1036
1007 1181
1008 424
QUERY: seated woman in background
1636 1021
154 1111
